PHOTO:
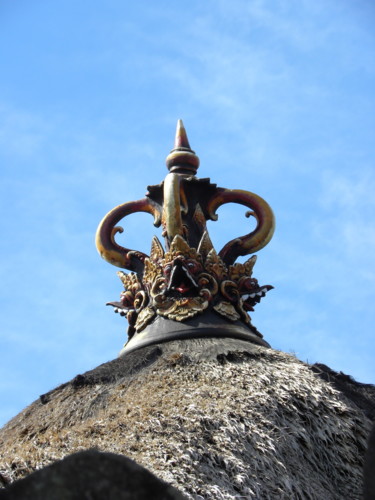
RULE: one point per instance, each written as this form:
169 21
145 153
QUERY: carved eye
193 266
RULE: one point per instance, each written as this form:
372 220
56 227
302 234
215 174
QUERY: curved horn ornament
260 209
112 252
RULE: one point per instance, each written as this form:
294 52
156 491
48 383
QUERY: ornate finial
182 159
187 289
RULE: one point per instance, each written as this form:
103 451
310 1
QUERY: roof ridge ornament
187 289
182 159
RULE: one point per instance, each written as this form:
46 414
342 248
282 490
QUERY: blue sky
277 98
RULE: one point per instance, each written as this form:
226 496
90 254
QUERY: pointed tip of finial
181 139
182 159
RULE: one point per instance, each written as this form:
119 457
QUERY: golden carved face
183 282
175 280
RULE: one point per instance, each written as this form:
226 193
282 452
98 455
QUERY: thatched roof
218 420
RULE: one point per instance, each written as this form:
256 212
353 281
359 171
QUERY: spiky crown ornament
187 290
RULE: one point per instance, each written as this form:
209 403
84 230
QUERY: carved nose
178 262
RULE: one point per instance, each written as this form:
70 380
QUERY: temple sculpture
186 288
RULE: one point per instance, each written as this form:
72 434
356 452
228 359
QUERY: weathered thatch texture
217 419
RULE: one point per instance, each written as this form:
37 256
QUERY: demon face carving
178 286
184 281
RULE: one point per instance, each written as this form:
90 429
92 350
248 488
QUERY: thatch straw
217 419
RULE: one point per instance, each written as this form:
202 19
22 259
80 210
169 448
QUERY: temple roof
207 416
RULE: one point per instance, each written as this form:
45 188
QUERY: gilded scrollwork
183 282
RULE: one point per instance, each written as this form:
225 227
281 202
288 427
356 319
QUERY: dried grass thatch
217 419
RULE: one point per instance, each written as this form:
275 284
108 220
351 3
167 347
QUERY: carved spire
182 159
181 140
187 290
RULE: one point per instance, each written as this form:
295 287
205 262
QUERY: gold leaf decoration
180 247
182 309
227 310
205 245
144 318
215 265
157 250
249 265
